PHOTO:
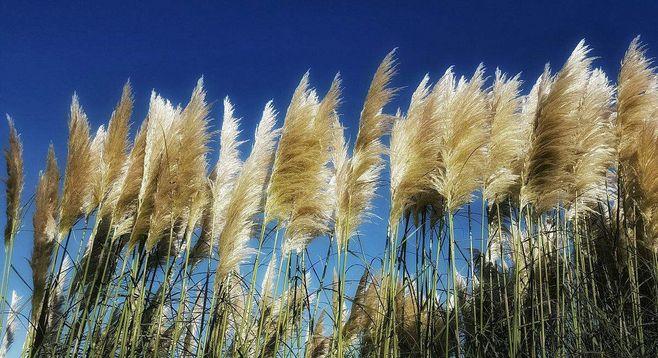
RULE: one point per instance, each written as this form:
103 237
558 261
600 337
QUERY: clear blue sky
254 53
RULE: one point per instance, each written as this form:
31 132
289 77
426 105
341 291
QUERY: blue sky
254 53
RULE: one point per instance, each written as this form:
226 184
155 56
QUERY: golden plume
78 174
180 191
115 150
647 174
412 152
637 95
318 345
95 194
505 144
593 145
356 177
297 192
247 196
160 119
461 116
14 183
222 182
45 229
127 189
545 172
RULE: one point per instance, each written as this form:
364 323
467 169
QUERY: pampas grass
247 196
9 333
79 167
461 117
301 166
14 187
545 172
14 182
45 226
222 182
505 146
564 176
593 145
412 152
357 177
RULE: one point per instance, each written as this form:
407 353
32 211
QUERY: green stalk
181 302
502 266
483 246
169 266
254 275
5 281
453 269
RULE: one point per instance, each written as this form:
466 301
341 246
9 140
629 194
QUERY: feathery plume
95 194
192 165
647 174
45 229
593 145
14 182
77 177
162 120
180 191
462 116
356 177
115 150
545 172
57 297
412 152
222 182
125 194
505 138
637 94
10 330
247 196
318 345
269 281
297 191
358 319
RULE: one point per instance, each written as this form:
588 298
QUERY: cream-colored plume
14 183
461 116
45 227
545 174
78 175
505 146
247 197
298 194
357 177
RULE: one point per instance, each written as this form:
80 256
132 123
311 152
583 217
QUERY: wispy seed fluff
647 178
593 145
115 151
637 95
546 169
162 116
127 189
78 174
413 151
461 112
14 182
357 177
95 194
222 183
43 221
298 192
9 334
247 196
180 191
505 146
